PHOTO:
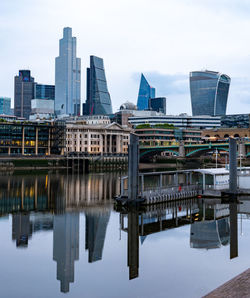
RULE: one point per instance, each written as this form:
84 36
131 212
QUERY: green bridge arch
206 148
159 149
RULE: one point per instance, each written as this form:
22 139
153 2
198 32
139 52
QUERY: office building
96 136
66 247
236 121
182 121
5 106
145 93
67 77
24 92
45 91
98 100
157 104
41 108
209 92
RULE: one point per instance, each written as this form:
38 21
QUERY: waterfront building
98 100
24 92
236 121
45 91
165 136
145 93
67 76
182 121
81 136
157 104
209 92
66 247
225 133
42 138
5 105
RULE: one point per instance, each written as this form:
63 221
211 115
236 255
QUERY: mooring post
232 166
133 167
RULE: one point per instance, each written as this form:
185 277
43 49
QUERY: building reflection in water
95 232
66 247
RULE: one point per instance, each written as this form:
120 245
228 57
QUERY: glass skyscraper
98 100
67 76
157 104
5 105
45 91
24 92
145 92
209 92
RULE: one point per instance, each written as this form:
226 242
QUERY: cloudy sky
164 39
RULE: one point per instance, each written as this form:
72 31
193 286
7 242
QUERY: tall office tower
66 247
5 105
96 225
24 92
157 104
98 100
21 229
67 76
209 92
45 91
145 92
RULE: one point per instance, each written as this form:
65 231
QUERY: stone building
99 137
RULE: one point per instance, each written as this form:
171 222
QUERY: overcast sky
164 39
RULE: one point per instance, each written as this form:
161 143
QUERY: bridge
194 150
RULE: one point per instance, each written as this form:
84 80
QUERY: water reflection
56 202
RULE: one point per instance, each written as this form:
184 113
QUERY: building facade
160 136
145 92
98 100
158 104
23 93
209 92
96 138
45 91
225 133
42 108
236 121
182 121
67 76
5 103
28 138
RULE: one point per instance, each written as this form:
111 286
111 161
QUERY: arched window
236 135
226 136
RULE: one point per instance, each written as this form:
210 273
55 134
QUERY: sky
164 39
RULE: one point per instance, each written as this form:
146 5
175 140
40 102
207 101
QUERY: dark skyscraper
98 98
44 91
157 104
96 225
66 247
209 92
24 92
145 92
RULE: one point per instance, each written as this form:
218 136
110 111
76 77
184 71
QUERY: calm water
60 236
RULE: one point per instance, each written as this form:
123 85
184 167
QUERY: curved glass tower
145 93
209 92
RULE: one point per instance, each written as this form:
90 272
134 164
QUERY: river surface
62 237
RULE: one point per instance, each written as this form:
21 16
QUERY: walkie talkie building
209 92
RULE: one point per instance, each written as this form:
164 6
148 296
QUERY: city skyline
166 67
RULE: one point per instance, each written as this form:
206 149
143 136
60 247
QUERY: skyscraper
67 76
157 104
24 92
45 91
209 92
98 100
145 92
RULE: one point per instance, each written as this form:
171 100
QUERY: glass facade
44 91
237 120
67 76
98 98
209 92
158 104
5 105
145 93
